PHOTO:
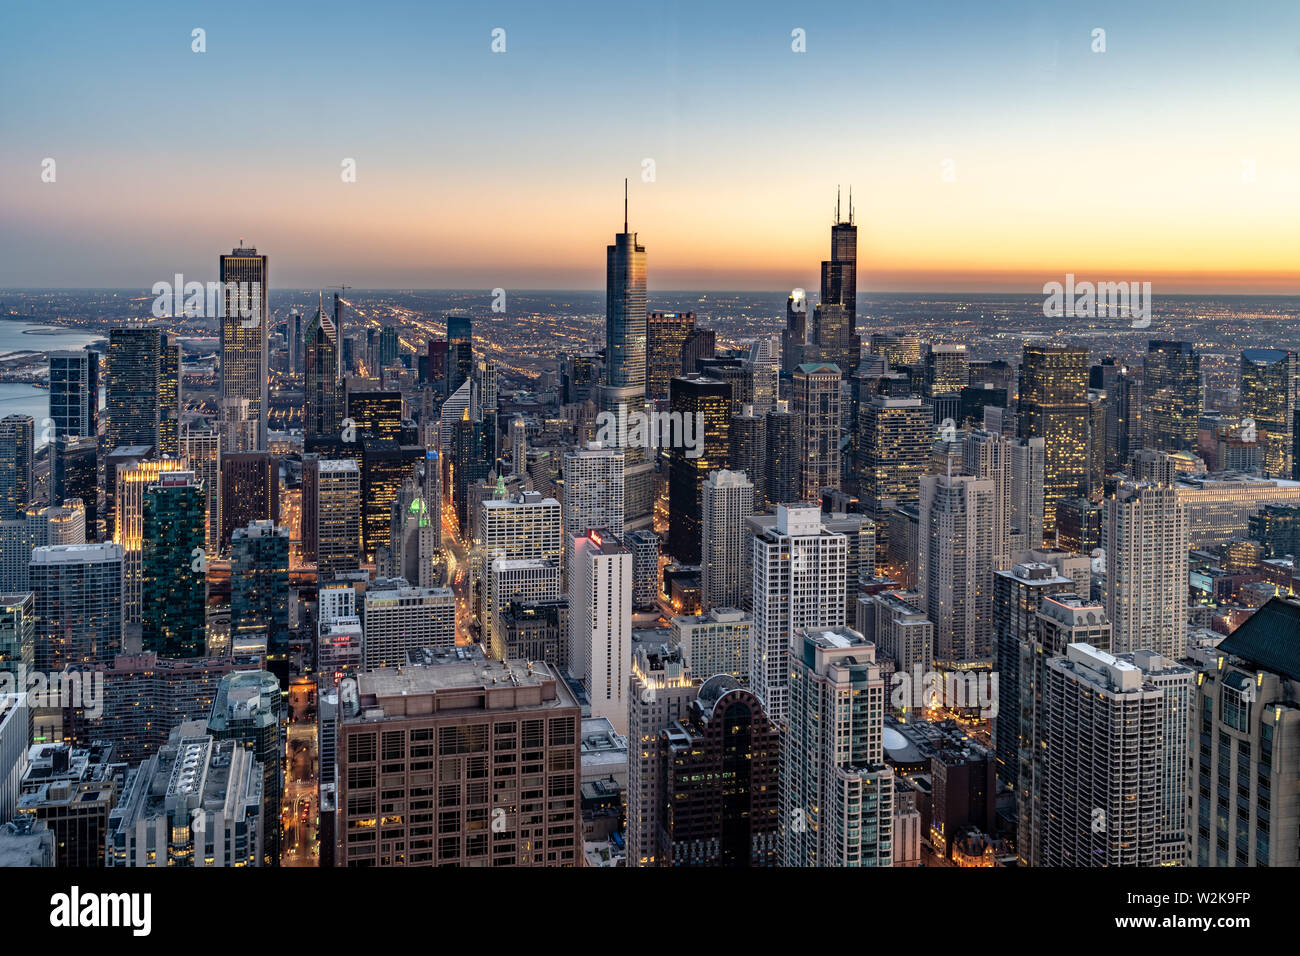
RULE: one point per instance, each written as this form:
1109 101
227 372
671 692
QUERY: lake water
17 398
23 337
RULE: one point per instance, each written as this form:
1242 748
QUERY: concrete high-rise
593 493
78 604
397 619
837 794
728 499
1144 535
600 623
955 564
331 515
1101 803
496 708
799 571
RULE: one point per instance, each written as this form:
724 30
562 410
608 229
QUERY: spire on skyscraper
625 204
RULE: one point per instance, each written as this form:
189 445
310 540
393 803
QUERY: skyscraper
201 454
322 381
1172 396
1245 704
955 566
250 491
528 525
666 332
248 709
245 322
782 443
259 586
191 778
1144 534
173 583
600 623
706 402
837 794
720 791
1054 407
400 618
509 707
894 451
74 473
331 515
835 320
747 433
728 499
460 351
625 318
1101 804
1270 388
133 481
799 572
143 389
816 409
593 493
74 393
988 455
17 462
78 604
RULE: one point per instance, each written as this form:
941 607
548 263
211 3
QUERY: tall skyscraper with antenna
623 390
835 320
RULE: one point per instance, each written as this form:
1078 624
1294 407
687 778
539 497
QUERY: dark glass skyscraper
460 352
835 319
17 457
244 372
321 377
1270 381
711 399
1172 396
143 390
1054 407
74 393
259 585
174 583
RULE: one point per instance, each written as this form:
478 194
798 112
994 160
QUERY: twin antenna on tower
838 220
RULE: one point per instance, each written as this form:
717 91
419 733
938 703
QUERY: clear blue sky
476 168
